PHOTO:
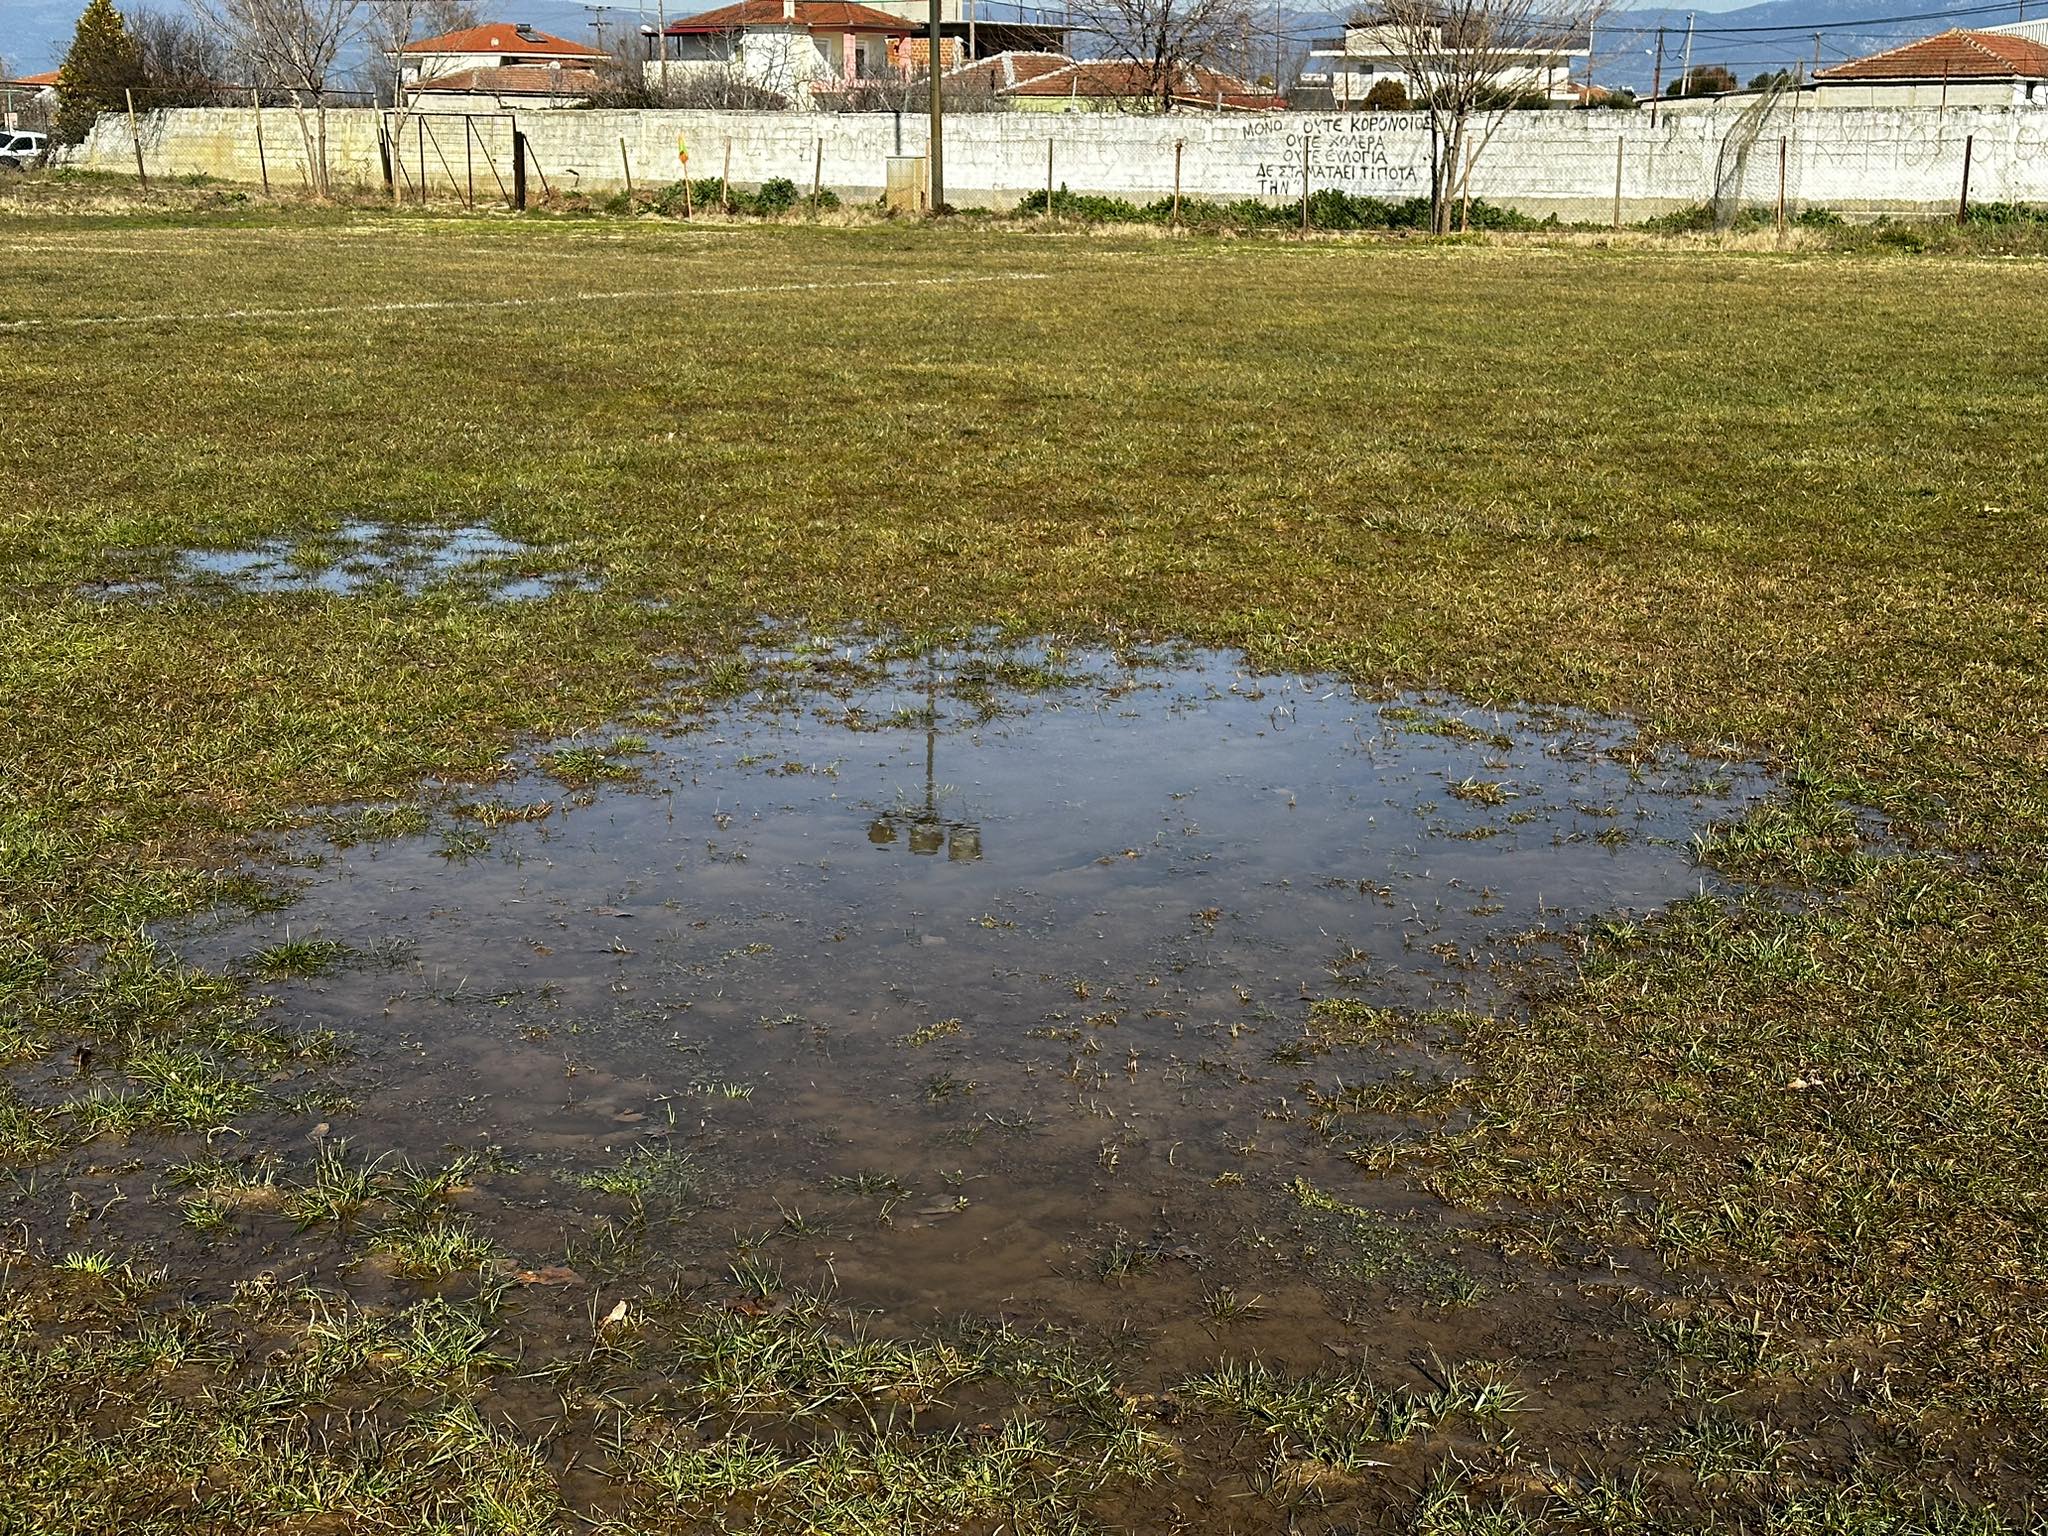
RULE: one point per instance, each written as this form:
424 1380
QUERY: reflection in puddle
1011 974
361 554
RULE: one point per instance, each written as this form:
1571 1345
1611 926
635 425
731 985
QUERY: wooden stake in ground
1304 183
1048 178
817 171
262 160
1963 205
725 180
142 176
626 165
1784 150
1178 146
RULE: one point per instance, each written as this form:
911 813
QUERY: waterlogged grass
1789 505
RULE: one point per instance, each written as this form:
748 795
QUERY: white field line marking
415 306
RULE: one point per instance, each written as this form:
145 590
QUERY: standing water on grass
1009 970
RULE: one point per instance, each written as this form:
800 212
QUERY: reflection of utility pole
928 831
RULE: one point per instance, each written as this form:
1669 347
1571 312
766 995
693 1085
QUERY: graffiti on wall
1372 154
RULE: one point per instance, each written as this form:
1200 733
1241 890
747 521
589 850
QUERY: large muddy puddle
1086 987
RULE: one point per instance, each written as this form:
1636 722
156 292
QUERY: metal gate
460 155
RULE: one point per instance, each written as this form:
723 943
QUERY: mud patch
1097 996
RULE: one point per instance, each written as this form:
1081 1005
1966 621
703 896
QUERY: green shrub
1075 205
1680 221
776 195
2007 213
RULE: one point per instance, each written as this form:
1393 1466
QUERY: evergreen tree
103 61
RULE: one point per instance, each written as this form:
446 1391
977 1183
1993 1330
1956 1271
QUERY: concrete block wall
1567 163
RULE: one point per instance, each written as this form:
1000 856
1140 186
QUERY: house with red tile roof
498 62
28 101
790 47
1134 85
1962 67
504 87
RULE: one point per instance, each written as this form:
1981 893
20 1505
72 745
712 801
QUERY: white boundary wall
1857 162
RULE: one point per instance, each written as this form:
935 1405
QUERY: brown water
1037 961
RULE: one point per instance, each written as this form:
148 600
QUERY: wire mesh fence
1773 158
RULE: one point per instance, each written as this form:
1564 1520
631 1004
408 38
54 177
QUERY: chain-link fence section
1775 156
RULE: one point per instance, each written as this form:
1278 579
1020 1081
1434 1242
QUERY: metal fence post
1963 203
518 169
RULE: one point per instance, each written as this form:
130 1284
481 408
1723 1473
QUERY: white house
1370 52
1963 67
791 47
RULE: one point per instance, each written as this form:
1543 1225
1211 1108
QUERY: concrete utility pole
1657 78
1685 89
938 170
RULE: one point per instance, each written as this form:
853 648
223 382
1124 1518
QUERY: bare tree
1163 40
389 25
287 45
294 48
623 78
719 86
1469 63
967 89
184 64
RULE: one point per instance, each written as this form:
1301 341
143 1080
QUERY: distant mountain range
35 33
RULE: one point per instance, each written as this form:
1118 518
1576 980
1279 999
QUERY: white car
19 151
